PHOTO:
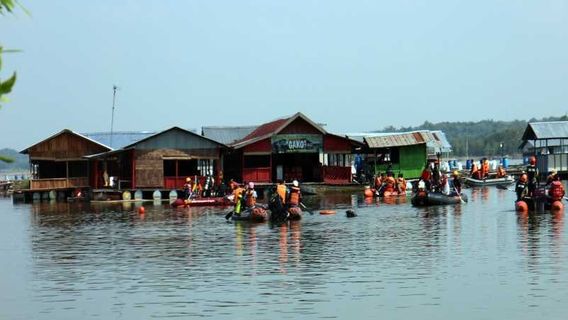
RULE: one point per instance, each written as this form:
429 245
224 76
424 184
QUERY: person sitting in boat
400 184
484 169
501 173
237 198
553 176
456 182
556 191
521 186
436 176
532 174
250 196
474 173
426 176
187 189
444 185
295 195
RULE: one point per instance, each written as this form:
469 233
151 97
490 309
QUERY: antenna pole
114 87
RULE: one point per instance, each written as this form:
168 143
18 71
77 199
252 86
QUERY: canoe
257 214
423 199
215 201
489 181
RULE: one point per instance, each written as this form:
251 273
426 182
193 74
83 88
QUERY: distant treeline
483 138
20 160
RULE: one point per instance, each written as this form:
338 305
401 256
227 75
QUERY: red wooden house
290 148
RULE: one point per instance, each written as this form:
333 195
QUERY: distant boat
489 181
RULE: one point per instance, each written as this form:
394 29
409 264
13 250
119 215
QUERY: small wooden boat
489 181
215 201
423 199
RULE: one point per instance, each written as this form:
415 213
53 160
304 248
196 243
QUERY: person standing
532 175
295 195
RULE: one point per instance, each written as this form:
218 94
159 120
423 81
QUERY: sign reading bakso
296 143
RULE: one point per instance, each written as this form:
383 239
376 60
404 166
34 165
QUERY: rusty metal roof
394 140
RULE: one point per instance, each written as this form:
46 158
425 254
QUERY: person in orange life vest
532 174
456 182
426 176
250 196
400 184
501 172
237 197
474 173
553 176
484 172
282 191
295 195
390 183
521 186
378 182
187 189
556 191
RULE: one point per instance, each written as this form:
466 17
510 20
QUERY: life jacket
401 184
501 172
532 172
250 198
238 193
556 191
425 175
389 184
378 182
295 196
485 168
281 190
474 169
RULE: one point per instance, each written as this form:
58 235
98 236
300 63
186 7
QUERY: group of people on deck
481 172
529 181
205 187
385 183
433 179
245 198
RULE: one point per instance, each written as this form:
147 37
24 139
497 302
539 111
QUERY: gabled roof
546 130
132 145
394 140
64 131
435 140
269 129
120 138
227 135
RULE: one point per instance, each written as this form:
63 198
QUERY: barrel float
521 206
368 192
258 214
326 212
557 206
295 213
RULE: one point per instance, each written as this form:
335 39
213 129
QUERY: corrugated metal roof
119 139
227 135
546 130
25 151
393 140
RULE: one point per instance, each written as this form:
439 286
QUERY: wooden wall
65 146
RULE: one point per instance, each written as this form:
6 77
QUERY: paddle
229 215
503 187
459 195
304 206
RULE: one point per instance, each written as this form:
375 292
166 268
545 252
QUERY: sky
352 65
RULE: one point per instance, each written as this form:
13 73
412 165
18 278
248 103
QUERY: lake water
480 260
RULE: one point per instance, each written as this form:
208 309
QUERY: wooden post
133 164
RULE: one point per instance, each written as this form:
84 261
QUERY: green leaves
6 85
6 159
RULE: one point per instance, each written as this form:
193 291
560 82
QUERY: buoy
327 212
350 213
521 206
141 210
557 206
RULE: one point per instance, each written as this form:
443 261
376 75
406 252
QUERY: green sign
297 143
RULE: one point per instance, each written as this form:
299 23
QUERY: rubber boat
257 214
489 181
423 199
215 201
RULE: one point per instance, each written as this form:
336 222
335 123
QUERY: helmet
295 183
251 185
532 160
456 173
188 179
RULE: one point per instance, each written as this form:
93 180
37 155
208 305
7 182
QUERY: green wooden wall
412 160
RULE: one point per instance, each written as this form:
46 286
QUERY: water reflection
83 260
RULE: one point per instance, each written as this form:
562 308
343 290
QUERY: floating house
290 148
548 142
59 163
159 161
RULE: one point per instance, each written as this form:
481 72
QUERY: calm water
476 261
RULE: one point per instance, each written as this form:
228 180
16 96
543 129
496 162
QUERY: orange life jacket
500 172
474 169
401 184
238 192
485 168
389 184
556 191
295 196
281 190
250 198
425 175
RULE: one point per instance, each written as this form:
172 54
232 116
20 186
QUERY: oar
459 195
229 215
304 206
503 187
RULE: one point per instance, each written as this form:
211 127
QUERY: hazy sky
354 65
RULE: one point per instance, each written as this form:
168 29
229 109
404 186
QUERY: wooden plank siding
58 183
65 146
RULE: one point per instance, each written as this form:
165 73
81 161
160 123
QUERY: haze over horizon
357 66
